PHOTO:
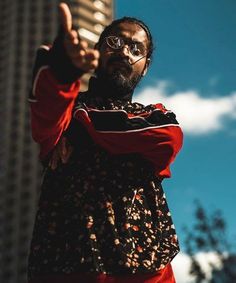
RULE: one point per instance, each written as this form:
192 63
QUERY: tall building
24 25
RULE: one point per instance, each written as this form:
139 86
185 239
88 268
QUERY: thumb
65 16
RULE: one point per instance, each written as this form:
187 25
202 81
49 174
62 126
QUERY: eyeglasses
136 49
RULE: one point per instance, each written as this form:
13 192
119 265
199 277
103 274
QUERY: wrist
62 67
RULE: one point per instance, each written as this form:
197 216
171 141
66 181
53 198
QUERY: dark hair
108 29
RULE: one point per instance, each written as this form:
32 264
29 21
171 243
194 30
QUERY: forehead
132 31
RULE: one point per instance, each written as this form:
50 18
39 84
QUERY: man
102 213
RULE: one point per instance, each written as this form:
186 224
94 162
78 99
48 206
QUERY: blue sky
193 74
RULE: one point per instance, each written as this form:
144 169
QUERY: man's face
124 66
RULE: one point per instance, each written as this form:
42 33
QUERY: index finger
66 18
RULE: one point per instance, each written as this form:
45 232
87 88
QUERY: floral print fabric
102 213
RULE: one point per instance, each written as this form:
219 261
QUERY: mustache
121 60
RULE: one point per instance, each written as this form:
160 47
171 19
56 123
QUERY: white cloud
195 113
181 265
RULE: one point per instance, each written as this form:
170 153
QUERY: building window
99 16
99 4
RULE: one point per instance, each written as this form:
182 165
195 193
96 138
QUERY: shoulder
157 110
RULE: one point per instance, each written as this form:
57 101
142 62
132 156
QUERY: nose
125 50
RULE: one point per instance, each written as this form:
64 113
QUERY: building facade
25 25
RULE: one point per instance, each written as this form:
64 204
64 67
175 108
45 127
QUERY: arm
51 102
56 83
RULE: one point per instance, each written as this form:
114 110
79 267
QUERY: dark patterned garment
100 212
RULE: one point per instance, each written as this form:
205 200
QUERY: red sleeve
159 145
51 104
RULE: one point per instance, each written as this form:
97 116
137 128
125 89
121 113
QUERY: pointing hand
77 50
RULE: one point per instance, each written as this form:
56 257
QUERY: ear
146 67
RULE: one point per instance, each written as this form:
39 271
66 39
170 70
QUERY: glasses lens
114 42
137 49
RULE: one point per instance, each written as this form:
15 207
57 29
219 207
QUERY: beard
120 80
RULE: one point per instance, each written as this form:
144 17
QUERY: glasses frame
124 42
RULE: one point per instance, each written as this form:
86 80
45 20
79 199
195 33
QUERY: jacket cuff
60 64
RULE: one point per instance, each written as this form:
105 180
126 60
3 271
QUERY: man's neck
104 89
